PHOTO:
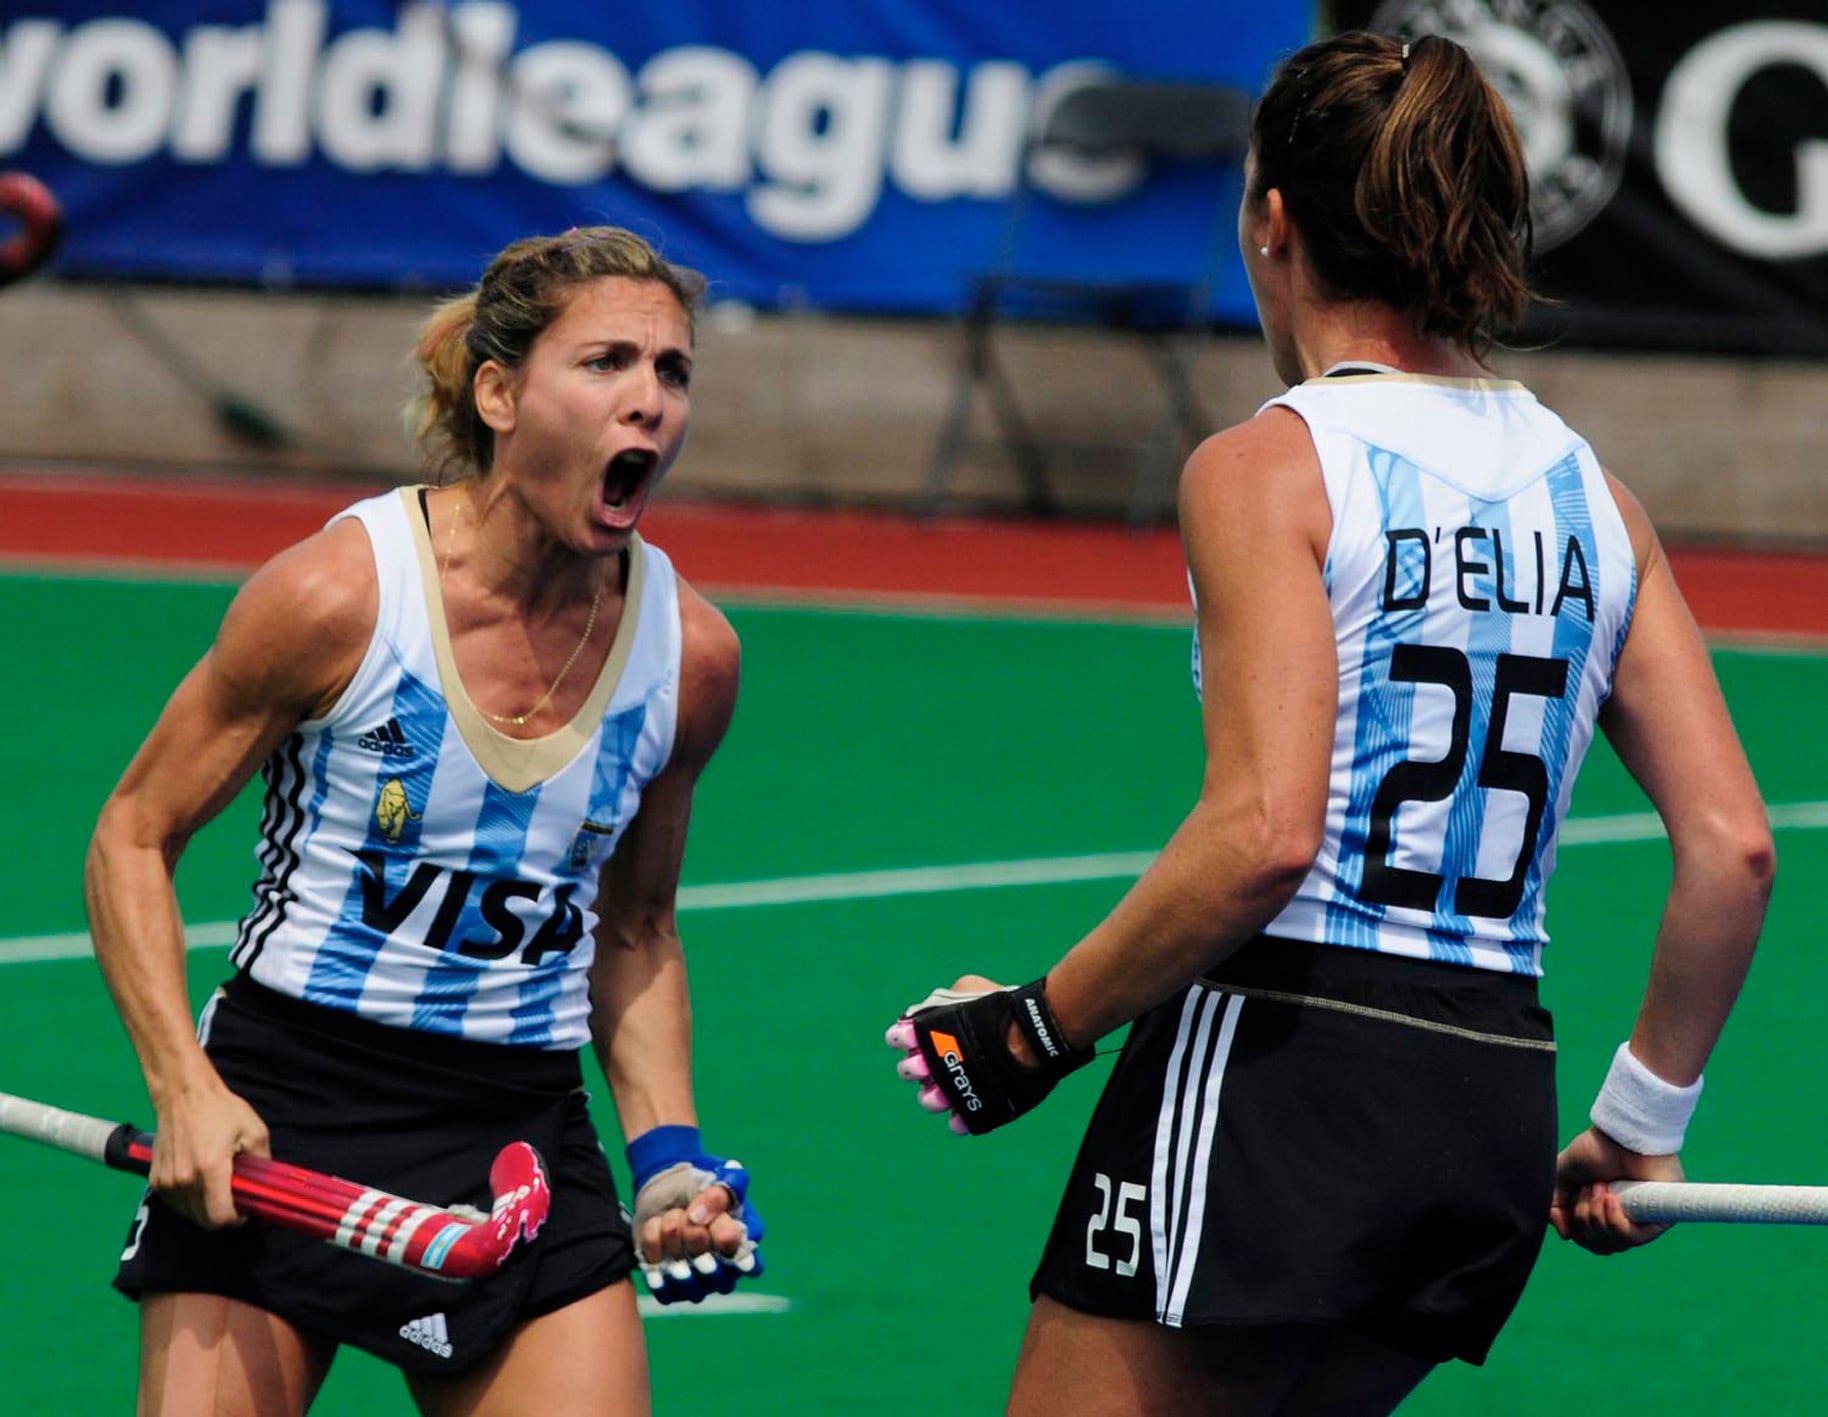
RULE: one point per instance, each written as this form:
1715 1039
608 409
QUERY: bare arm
641 1017
1255 520
1670 726
289 643
641 1014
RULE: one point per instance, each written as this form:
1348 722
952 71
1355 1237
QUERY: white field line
934 880
1644 826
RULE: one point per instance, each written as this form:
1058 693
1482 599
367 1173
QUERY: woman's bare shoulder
299 627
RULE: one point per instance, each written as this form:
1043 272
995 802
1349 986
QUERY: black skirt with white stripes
1319 1135
409 1112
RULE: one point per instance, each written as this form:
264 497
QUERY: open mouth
624 481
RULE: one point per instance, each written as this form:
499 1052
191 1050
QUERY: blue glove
671 1170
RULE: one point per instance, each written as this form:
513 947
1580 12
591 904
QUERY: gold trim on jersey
520 764
1478 386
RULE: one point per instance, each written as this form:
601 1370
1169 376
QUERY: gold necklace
517 720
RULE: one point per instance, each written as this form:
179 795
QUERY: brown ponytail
443 419
523 291
1404 172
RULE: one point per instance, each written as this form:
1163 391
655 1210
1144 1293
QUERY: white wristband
1641 1111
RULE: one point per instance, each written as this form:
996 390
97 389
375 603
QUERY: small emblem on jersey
431 1333
590 840
387 740
394 810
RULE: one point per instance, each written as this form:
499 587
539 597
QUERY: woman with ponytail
1326 1157
481 708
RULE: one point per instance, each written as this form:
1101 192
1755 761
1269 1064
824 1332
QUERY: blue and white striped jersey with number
1481 582
422 869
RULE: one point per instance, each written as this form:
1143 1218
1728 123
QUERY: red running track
127 523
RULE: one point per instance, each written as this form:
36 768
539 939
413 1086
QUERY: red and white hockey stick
444 1242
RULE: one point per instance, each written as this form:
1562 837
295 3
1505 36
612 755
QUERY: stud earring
1263 250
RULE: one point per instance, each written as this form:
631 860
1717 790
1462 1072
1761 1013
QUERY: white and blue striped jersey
1482 583
420 868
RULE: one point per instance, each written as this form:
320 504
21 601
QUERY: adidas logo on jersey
387 740
429 1333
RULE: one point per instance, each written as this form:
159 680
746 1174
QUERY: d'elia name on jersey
1409 571
1481 581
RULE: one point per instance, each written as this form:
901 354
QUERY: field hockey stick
1664 1202
446 1242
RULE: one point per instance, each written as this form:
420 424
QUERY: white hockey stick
1663 1202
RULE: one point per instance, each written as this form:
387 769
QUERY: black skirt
1319 1135
417 1114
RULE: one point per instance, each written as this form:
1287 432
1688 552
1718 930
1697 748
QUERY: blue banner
846 154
